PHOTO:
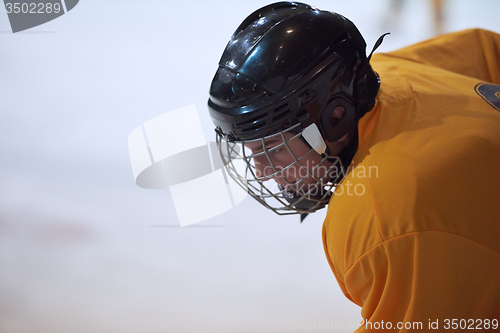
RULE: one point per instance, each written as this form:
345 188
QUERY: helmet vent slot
280 112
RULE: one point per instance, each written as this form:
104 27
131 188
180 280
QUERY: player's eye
276 150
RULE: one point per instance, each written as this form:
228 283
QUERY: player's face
292 165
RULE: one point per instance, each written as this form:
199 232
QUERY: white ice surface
82 248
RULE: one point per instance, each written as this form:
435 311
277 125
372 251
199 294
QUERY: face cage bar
241 169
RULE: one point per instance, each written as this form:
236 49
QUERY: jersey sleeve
426 278
474 53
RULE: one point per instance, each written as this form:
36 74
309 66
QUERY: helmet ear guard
367 88
315 136
333 132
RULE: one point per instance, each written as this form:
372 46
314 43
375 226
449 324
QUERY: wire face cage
281 171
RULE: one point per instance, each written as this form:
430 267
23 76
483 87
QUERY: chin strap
346 157
363 64
314 140
377 44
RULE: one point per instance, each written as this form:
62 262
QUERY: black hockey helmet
280 59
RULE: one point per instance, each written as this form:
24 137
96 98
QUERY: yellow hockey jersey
412 233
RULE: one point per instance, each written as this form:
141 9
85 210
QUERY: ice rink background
82 248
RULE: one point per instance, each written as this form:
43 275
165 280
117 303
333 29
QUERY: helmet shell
282 57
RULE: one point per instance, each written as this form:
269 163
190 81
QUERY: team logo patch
490 93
